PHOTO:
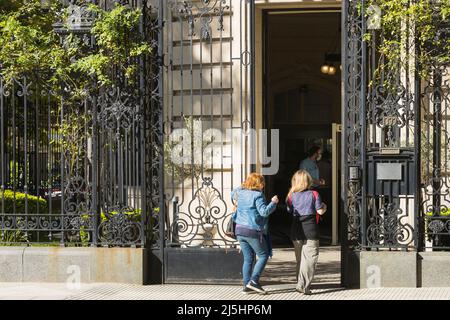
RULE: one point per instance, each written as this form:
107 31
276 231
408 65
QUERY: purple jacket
303 203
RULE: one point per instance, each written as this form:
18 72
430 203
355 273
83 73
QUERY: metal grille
73 175
395 125
380 110
153 117
207 113
435 157
353 129
30 165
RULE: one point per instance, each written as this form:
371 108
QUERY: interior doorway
302 99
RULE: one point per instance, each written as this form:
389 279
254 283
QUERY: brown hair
300 181
254 181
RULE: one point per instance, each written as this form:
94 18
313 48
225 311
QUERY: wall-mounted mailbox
389 171
390 175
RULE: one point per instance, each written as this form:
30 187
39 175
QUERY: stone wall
85 265
375 269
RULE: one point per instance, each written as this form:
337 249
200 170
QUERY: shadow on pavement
280 271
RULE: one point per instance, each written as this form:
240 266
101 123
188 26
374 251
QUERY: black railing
396 186
72 172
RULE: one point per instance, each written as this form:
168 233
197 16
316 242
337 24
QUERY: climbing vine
69 65
30 46
411 30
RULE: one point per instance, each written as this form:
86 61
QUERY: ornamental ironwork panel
395 137
31 157
79 172
153 120
435 158
208 110
353 121
380 136
46 181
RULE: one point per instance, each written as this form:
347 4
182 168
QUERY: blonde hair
300 181
254 181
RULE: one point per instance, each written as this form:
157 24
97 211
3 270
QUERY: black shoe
256 287
246 290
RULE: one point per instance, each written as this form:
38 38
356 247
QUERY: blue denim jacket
252 210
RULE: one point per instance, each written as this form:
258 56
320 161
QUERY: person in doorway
325 169
326 173
309 164
304 204
252 217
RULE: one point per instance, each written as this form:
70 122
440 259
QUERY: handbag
230 230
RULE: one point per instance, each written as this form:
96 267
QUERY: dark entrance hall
302 102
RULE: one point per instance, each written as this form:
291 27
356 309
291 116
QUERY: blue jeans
250 247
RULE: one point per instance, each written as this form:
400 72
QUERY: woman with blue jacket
252 217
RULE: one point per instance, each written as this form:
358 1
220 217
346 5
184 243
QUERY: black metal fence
72 173
395 123
434 159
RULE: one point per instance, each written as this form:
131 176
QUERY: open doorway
302 99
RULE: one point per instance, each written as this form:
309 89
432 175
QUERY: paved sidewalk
278 279
104 291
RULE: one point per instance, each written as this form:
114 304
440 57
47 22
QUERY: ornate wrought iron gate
395 186
186 124
71 169
207 111
379 135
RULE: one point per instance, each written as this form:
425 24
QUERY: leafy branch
67 65
403 21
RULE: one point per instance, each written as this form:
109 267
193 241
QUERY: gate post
418 223
162 215
154 142
353 143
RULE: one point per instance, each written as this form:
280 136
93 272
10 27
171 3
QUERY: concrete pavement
278 279
105 291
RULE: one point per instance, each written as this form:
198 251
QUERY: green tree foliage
117 36
412 32
30 46
69 66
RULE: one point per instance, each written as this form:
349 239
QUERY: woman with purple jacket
306 207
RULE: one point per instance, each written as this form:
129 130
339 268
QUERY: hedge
134 215
34 202
441 214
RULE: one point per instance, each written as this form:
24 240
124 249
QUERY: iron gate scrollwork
353 125
435 195
72 172
395 139
208 106
154 228
380 142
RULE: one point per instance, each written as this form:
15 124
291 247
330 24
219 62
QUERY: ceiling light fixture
332 59
328 66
